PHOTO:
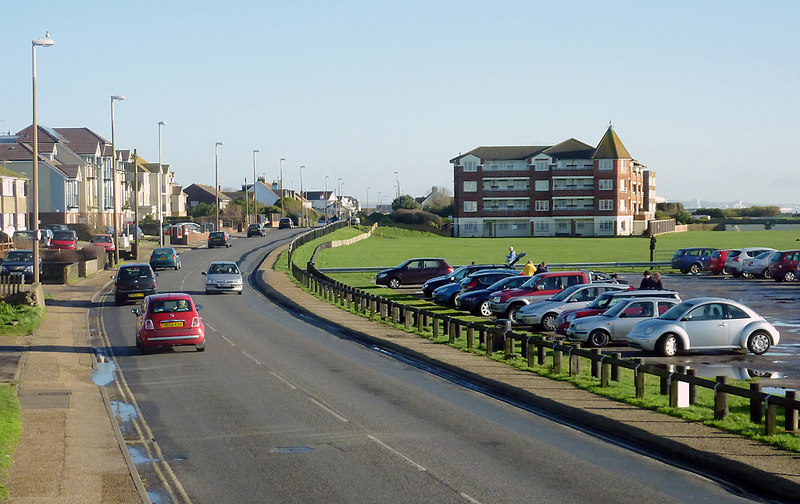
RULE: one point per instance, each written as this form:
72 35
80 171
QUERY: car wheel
118 301
668 345
549 321
240 293
766 273
452 301
599 338
484 310
694 269
511 314
176 267
210 246
144 350
201 347
759 342
789 276
394 283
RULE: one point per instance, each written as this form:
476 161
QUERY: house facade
567 189
13 201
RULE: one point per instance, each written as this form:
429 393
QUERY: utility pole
135 207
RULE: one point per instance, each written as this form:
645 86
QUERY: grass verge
19 320
10 429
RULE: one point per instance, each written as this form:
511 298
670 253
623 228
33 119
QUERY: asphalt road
284 409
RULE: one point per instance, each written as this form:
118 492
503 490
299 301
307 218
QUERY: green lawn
10 429
19 320
391 246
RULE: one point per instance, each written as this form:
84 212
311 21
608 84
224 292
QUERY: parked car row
746 262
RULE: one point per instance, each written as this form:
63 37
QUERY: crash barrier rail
11 284
605 366
552 266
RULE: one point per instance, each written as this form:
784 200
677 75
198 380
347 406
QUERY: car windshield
163 251
20 256
223 269
531 281
134 272
63 235
26 234
253 226
765 254
676 311
102 239
561 296
170 305
600 301
614 310
734 253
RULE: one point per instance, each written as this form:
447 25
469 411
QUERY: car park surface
169 320
223 276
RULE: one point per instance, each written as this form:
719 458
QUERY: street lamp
379 202
45 42
397 176
301 196
366 208
325 197
116 180
282 160
339 197
160 195
216 184
255 179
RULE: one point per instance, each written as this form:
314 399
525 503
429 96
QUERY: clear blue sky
704 93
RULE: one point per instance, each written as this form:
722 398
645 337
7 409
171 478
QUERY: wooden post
665 379
541 353
408 320
595 363
574 364
531 353
470 338
452 332
692 386
756 405
638 379
720 399
420 322
605 373
436 327
509 345
614 367
790 424
771 422
557 354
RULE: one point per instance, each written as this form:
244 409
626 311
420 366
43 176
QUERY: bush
417 217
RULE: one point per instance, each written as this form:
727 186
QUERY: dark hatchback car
19 262
285 223
456 276
447 294
692 260
783 265
256 229
413 272
477 301
219 239
134 282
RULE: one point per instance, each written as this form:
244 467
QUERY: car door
707 326
635 312
737 320
413 272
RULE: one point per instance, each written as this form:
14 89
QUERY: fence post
638 379
720 399
574 363
790 424
771 422
665 380
508 341
595 363
470 337
420 319
756 405
605 373
557 354
408 319
482 338
453 327
541 353
692 386
614 367
531 353
435 327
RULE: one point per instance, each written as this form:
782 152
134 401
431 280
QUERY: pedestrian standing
543 268
529 269
655 282
646 281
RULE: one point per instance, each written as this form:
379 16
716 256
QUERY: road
284 409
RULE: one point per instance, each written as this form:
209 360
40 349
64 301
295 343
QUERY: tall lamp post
397 177
339 197
216 184
45 42
116 180
301 196
325 197
282 160
255 179
160 195
366 208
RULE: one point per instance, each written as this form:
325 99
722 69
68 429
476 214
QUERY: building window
8 187
470 166
623 166
563 226
606 165
542 205
541 227
623 187
469 227
542 185
470 186
470 206
622 225
606 185
606 204
542 165
622 205
607 226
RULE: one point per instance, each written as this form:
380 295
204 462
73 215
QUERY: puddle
292 449
154 497
735 372
777 391
104 374
124 411
139 457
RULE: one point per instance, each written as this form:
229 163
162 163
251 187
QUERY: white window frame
605 185
470 166
470 206
605 164
470 186
541 185
622 205
606 226
606 205
542 205
623 186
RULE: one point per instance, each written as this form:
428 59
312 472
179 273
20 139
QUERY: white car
705 323
758 266
223 276
615 323
736 258
544 314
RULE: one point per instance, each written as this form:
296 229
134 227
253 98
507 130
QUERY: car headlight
649 330
381 275
578 326
495 299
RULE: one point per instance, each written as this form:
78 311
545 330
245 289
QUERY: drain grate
43 399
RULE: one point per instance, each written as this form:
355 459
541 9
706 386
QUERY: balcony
574 187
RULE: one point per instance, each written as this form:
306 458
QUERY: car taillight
195 321
173 257
472 284
148 324
450 269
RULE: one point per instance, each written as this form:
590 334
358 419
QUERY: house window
541 227
606 204
563 226
607 226
622 205
542 205
8 187
623 166
606 185
21 188
470 186
470 166
623 187
542 185
606 165
469 227
622 225
542 165
470 206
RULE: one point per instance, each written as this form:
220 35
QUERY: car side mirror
540 287
203 273
198 307
136 311
686 318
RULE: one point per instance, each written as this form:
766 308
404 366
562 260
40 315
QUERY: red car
105 241
169 320
504 304
783 265
716 264
64 240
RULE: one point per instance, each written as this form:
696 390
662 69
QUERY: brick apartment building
567 189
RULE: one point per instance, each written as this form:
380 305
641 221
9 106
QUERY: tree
201 210
405 202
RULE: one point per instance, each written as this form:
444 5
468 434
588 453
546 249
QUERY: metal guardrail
552 266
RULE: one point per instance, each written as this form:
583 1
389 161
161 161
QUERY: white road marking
284 380
333 413
251 357
469 499
227 340
387 447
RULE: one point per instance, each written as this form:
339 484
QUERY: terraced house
567 189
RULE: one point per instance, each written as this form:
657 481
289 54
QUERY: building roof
318 195
503 152
610 147
82 140
570 149
208 189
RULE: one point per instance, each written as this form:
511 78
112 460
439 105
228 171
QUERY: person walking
529 269
655 282
646 281
511 255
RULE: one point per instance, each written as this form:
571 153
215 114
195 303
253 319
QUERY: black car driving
134 282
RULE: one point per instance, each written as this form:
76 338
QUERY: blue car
477 301
446 294
692 260
19 262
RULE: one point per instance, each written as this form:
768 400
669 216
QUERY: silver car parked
223 276
758 266
734 262
615 323
544 314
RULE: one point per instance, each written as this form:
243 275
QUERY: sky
703 93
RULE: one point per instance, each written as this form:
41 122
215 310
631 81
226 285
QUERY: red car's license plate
175 323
